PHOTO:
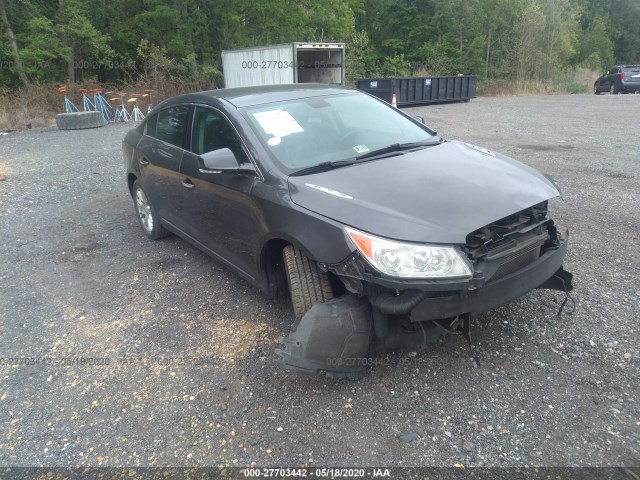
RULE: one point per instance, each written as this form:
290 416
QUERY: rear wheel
149 221
307 283
613 90
595 90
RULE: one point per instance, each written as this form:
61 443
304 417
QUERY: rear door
217 207
161 150
613 77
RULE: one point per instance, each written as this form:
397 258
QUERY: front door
220 213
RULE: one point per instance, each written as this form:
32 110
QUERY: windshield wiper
396 147
323 167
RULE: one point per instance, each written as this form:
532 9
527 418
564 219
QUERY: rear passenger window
170 125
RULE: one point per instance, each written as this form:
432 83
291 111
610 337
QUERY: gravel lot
192 377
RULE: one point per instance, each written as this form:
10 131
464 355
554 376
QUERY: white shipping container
284 64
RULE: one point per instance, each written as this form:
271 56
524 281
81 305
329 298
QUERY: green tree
360 57
85 47
528 52
46 41
460 24
43 51
560 36
500 33
595 49
396 66
18 66
625 30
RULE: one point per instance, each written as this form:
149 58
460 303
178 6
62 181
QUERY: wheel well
273 267
130 179
274 270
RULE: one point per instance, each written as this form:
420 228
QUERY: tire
307 283
146 214
78 120
613 90
595 90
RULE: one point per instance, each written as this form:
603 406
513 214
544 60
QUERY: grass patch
34 107
5 123
578 80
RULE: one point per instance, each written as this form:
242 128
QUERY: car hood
437 194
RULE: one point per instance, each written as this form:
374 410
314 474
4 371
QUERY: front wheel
307 283
149 221
595 90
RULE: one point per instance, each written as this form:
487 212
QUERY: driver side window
212 131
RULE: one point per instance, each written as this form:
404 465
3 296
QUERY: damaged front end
510 258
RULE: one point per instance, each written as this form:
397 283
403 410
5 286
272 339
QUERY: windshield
306 132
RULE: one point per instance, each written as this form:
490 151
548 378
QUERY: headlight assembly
410 260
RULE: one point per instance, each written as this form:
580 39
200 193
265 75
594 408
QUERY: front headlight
410 260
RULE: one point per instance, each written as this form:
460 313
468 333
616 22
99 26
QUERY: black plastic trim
495 293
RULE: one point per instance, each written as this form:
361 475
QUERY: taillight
622 76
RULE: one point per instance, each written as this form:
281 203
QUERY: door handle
143 161
186 183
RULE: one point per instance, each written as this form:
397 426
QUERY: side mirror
221 161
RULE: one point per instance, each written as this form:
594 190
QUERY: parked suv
620 79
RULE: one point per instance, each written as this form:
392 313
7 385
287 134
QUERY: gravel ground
186 373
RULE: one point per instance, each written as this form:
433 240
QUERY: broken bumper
335 336
502 291
433 301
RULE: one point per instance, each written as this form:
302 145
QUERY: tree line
111 41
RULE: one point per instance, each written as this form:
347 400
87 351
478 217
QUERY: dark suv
620 79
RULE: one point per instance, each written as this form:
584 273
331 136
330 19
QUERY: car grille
518 260
510 244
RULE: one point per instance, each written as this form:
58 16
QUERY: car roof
251 96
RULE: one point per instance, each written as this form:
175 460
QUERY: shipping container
284 64
421 90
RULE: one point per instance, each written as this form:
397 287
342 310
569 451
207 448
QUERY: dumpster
421 90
